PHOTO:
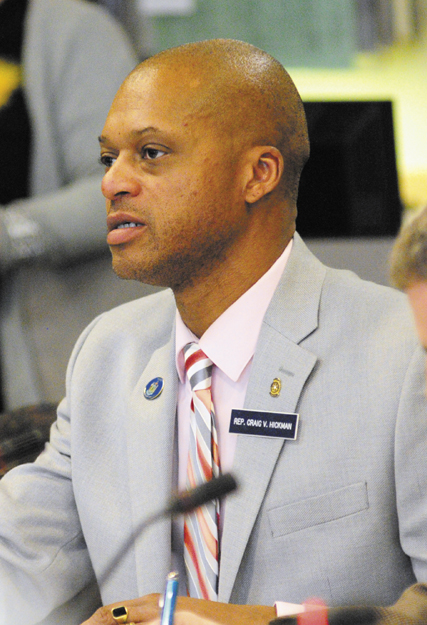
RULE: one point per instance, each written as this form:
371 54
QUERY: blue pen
169 599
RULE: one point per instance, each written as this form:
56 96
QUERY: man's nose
119 180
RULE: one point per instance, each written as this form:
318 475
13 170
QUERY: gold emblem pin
276 387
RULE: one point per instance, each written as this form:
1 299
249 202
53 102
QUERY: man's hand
188 612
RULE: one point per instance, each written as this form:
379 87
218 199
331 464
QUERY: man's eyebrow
133 133
143 131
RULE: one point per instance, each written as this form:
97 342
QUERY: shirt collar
231 340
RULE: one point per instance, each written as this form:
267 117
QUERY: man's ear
265 169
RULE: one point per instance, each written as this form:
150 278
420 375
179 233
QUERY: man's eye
150 154
107 161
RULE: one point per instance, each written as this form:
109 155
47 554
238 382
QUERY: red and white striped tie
201 527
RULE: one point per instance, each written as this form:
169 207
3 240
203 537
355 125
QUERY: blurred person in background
409 268
61 62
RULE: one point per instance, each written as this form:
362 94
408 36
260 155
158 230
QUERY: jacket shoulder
146 321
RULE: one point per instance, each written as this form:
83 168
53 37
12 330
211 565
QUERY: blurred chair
23 434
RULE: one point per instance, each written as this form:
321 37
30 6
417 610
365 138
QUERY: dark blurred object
23 434
1 393
349 187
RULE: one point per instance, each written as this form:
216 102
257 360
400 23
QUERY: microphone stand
185 502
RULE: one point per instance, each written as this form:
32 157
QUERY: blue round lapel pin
154 388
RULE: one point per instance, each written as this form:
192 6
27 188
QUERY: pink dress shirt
230 343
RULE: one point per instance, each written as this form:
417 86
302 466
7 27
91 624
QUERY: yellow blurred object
413 188
10 79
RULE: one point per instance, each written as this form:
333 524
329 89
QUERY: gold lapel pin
276 387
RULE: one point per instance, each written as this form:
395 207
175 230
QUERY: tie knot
198 367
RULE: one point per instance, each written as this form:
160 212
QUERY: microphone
191 499
185 502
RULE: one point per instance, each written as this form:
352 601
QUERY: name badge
256 423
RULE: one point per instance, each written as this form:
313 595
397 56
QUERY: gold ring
120 614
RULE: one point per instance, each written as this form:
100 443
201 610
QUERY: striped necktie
201 527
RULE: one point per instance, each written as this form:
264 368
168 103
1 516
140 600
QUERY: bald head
245 92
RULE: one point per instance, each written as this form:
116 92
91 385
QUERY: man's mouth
118 224
128 224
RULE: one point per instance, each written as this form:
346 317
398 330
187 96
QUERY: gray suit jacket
340 513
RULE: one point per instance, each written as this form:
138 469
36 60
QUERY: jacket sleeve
44 560
411 467
43 557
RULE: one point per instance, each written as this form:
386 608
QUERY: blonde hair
408 261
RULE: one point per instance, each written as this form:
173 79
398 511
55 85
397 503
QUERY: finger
140 610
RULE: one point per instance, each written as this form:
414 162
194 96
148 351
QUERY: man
408 273
203 148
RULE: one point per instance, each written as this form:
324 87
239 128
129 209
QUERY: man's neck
203 302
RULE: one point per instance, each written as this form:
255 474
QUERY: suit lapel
292 315
151 439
